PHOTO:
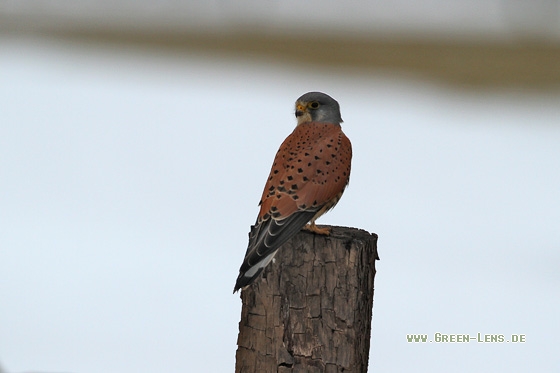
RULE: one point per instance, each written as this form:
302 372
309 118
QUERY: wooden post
311 309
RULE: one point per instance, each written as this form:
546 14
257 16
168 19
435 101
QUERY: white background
129 180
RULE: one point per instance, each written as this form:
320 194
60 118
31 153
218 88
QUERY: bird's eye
314 105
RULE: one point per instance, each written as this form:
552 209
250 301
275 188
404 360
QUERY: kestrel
309 174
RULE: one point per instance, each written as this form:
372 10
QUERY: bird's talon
315 229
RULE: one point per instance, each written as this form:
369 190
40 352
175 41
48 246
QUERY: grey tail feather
264 241
247 276
243 280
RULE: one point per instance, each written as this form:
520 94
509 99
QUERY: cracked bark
311 309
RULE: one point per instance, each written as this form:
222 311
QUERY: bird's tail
248 275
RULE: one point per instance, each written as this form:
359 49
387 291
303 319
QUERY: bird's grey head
317 107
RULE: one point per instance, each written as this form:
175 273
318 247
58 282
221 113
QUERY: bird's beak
300 110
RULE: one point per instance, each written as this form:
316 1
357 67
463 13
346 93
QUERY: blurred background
136 137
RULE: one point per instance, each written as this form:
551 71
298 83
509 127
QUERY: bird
308 176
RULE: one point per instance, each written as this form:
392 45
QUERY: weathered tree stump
311 309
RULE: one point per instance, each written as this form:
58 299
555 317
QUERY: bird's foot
315 229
